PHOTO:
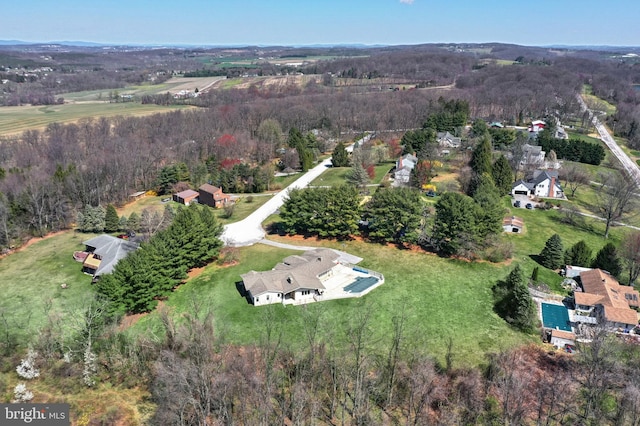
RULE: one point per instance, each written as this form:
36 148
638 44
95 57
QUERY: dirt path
32 241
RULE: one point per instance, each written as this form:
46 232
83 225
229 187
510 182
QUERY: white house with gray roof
544 184
315 275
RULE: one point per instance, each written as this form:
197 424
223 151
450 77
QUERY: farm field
18 119
173 85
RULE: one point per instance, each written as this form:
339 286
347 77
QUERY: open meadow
17 119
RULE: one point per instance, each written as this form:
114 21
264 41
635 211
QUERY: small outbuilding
561 338
186 197
513 224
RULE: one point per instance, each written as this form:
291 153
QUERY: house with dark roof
186 197
604 301
213 196
104 252
544 184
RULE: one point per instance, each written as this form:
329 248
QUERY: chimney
552 186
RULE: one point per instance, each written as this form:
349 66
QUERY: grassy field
32 279
172 85
245 205
338 175
442 297
438 302
595 103
18 119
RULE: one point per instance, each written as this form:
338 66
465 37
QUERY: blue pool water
555 316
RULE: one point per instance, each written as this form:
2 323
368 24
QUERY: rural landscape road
629 165
249 230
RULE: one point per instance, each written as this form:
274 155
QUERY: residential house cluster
207 194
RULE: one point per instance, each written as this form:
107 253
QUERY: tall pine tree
502 175
552 255
608 260
340 156
111 219
513 302
579 254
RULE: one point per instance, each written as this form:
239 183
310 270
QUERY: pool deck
335 286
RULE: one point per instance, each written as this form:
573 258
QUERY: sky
328 22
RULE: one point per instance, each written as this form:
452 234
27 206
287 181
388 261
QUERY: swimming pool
360 284
555 316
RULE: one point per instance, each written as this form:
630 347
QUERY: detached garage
186 197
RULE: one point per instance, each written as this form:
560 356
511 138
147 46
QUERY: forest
237 137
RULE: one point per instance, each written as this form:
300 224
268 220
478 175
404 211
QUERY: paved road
249 230
629 165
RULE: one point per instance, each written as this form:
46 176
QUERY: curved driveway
249 230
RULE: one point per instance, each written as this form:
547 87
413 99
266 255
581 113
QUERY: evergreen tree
358 176
92 219
513 302
490 213
481 157
340 156
326 212
502 175
552 255
479 128
579 255
608 260
111 219
133 222
454 223
394 214
122 223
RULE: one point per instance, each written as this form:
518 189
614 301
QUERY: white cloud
406 1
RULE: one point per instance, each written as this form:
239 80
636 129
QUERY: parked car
516 204
529 206
166 200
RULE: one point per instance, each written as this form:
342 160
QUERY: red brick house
213 196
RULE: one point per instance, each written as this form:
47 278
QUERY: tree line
159 265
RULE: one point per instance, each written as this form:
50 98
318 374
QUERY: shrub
499 252
228 210
249 199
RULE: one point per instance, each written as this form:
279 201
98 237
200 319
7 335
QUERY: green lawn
242 209
31 283
338 175
442 298
18 119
